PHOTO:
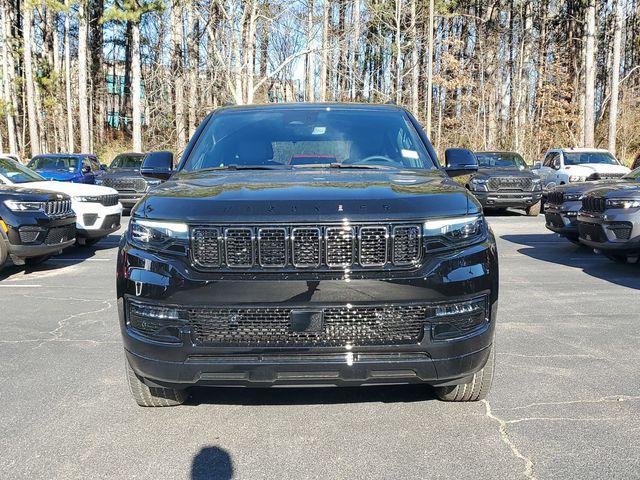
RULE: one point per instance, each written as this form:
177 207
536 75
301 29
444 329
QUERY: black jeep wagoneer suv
308 244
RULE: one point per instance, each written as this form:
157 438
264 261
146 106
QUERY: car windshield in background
127 161
54 163
579 158
307 138
17 173
633 175
489 160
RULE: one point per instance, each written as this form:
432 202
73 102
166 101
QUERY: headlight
576 178
158 235
536 184
572 197
478 184
88 199
454 232
16 206
623 203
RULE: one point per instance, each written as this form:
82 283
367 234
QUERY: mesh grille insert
206 247
306 247
339 246
272 247
239 247
406 245
373 246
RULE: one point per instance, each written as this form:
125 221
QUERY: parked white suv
569 165
98 210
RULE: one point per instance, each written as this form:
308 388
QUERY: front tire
4 252
534 210
147 396
477 389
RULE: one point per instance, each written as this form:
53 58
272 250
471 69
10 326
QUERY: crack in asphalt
607 399
504 436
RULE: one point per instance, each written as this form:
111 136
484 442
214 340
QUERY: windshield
127 161
579 158
54 163
502 159
17 173
304 138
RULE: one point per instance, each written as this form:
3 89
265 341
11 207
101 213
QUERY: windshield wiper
241 167
354 166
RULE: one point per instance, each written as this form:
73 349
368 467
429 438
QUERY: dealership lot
565 402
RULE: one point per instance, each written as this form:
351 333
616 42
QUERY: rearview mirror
157 165
460 161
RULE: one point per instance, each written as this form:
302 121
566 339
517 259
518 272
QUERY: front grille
268 327
306 247
594 204
555 198
622 230
60 234
137 185
58 208
510 183
592 232
109 200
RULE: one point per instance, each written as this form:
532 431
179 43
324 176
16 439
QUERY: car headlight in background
572 197
160 235
478 184
16 206
576 178
623 203
536 184
454 232
88 199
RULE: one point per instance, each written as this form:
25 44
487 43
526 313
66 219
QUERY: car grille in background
591 231
137 185
555 198
58 208
109 200
593 204
510 183
60 234
358 325
306 247
604 176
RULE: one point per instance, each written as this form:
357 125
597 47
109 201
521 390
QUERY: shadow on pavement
212 463
543 247
70 256
311 395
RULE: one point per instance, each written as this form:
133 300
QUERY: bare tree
83 104
615 76
590 75
27 27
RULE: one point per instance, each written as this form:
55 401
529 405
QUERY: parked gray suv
609 221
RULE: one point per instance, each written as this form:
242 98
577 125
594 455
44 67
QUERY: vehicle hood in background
74 189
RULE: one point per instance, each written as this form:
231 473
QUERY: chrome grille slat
294 247
57 208
239 247
338 245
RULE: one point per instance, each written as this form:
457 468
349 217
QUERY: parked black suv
308 244
34 224
504 180
124 175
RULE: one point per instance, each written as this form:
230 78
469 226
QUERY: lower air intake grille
370 325
60 234
622 230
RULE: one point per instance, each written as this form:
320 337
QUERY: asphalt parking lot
565 401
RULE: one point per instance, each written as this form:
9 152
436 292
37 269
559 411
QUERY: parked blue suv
67 167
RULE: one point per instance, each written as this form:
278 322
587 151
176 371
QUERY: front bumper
563 219
49 236
95 220
447 277
602 230
497 199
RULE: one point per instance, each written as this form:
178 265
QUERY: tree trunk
356 86
615 77
590 76
415 59
67 77
430 68
136 87
83 103
325 49
27 27
7 81
177 69
192 51
96 9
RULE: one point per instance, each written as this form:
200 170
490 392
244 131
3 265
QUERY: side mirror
86 169
460 161
537 165
157 165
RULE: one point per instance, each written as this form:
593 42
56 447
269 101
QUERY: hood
74 189
308 195
60 175
504 172
28 194
618 191
586 169
583 187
